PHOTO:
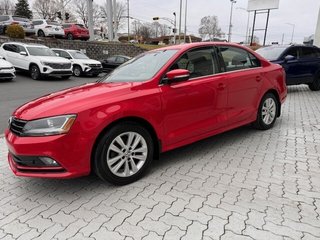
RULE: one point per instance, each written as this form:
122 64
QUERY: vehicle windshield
78 55
80 26
20 19
40 51
53 23
271 53
140 68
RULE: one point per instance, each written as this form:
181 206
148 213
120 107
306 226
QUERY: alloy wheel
269 111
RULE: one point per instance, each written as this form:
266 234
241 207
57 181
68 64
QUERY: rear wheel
77 71
35 72
123 154
267 112
315 85
41 33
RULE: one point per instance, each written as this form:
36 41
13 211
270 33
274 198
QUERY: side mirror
23 53
177 75
289 58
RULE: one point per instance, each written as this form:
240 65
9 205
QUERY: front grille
6 75
17 125
95 65
59 65
6 68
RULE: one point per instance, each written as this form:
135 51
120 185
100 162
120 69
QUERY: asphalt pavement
23 89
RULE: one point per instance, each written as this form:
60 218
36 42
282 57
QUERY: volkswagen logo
10 120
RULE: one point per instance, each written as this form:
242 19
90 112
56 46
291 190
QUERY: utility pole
230 24
109 19
180 21
128 22
185 22
90 19
175 28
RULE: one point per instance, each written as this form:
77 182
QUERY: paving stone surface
243 184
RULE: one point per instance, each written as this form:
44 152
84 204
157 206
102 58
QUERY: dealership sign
256 5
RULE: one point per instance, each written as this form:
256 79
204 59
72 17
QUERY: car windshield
53 23
80 26
40 51
20 19
271 53
78 55
141 68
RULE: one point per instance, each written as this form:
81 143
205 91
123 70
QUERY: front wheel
267 112
35 72
123 154
77 71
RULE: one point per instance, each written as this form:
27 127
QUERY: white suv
39 60
82 65
45 28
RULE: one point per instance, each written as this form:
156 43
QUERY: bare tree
7 7
119 15
209 28
80 10
46 9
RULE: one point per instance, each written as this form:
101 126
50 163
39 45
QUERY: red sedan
75 31
158 101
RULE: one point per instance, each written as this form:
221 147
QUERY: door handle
221 86
258 78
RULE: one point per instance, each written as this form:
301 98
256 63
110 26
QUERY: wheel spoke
139 157
120 141
140 150
118 166
126 169
115 159
136 142
133 166
130 139
115 149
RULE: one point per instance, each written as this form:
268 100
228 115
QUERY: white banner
254 5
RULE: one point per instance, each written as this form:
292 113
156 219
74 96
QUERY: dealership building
317 34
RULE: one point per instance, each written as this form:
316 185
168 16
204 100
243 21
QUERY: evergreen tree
23 9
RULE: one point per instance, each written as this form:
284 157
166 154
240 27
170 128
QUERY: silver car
25 23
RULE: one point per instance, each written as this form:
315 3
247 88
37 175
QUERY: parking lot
243 184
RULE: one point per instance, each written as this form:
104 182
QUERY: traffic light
67 15
155 18
59 15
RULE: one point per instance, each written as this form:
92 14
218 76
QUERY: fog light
49 161
45 69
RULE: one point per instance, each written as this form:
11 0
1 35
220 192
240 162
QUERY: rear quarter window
4 18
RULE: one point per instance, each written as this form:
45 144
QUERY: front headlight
49 126
44 63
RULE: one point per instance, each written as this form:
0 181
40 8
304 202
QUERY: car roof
27 44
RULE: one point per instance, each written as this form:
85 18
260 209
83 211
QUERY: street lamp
230 24
293 26
173 22
247 30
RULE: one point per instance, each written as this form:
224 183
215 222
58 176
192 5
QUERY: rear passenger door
310 63
242 71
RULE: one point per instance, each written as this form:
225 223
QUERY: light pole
175 27
230 24
185 22
248 20
128 22
180 21
293 26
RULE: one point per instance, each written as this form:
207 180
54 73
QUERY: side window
4 18
200 62
120 60
293 52
65 55
111 59
66 25
11 48
308 52
238 59
37 22
21 49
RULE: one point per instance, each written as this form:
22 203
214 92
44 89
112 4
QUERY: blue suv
301 63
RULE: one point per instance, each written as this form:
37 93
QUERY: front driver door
195 107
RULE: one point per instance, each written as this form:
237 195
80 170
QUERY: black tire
35 72
69 36
104 152
95 75
315 85
41 33
263 122
77 71
65 77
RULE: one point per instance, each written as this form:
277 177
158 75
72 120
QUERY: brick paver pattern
243 184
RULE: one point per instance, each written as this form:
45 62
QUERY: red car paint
179 113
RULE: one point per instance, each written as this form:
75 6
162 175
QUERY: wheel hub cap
268 111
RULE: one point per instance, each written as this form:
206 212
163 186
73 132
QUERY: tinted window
308 52
79 25
40 51
199 62
66 25
78 55
21 49
4 18
11 48
238 59
111 59
120 60
65 55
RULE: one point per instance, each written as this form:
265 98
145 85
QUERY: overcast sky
302 13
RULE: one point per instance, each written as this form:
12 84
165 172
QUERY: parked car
7 71
81 64
39 60
25 23
158 101
46 28
301 63
113 62
76 31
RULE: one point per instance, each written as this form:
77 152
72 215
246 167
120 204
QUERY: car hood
4 64
53 59
74 100
86 61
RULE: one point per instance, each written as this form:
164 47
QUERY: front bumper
92 71
54 33
7 74
49 71
72 156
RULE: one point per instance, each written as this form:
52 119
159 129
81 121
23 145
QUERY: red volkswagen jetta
158 101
